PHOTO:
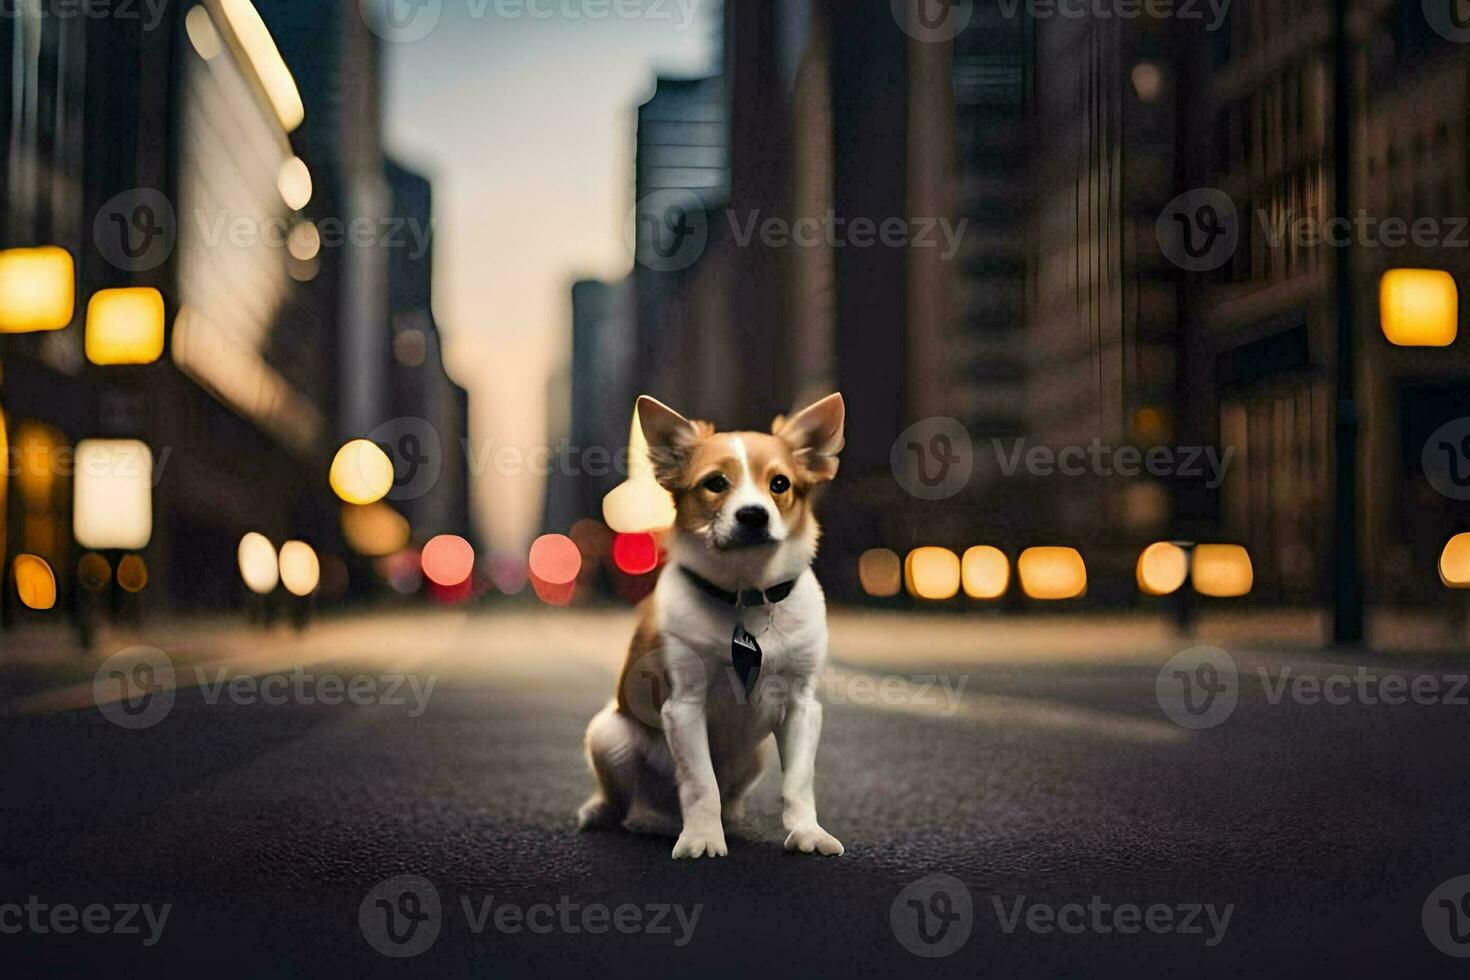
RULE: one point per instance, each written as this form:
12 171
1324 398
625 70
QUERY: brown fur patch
643 683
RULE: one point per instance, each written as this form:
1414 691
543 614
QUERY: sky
525 125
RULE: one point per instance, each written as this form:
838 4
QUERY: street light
125 326
1222 571
300 569
1454 562
259 567
112 495
37 289
1052 573
361 472
932 573
447 560
985 572
880 571
35 583
1419 307
1162 569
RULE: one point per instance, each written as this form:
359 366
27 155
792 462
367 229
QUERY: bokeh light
301 572
374 530
112 495
125 326
448 560
265 58
35 583
880 571
259 567
554 559
1222 571
1454 562
132 573
361 472
37 289
1052 573
1162 568
985 572
932 573
1419 307
93 572
635 554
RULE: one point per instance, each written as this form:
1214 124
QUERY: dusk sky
526 126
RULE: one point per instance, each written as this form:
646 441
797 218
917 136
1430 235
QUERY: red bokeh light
448 560
635 554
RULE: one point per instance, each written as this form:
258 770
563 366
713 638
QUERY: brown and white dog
689 732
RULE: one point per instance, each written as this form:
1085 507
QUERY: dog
730 645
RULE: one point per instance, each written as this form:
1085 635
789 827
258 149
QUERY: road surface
406 784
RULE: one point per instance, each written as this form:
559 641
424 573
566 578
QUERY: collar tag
745 657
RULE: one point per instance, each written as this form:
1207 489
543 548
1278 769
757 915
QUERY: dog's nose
752 517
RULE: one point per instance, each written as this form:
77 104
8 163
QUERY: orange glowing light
1454 562
985 572
125 326
1052 573
35 583
1419 307
1162 569
37 289
555 559
1222 571
880 571
932 573
448 560
132 573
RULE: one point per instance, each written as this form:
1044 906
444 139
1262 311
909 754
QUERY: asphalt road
1082 831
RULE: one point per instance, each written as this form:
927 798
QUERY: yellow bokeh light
932 573
300 569
265 58
1052 573
374 530
112 495
1419 307
1222 571
202 33
259 567
881 572
132 573
34 582
38 448
37 289
361 472
294 183
304 241
125 326
985 572
1454 562
1162 568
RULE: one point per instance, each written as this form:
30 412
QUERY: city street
1032 763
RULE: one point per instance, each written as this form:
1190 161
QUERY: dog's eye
779 484
716 483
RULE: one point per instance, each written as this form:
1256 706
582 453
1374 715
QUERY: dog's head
745 495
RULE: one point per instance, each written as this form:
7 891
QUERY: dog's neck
750 568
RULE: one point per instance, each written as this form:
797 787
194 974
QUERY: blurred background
240 237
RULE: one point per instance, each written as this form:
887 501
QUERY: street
1091 834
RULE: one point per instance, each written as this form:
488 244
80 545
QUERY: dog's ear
815 436
671 440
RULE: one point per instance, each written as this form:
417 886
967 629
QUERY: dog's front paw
813 838
696 842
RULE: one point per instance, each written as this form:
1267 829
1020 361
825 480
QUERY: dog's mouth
744 540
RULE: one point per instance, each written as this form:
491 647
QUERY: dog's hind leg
612 749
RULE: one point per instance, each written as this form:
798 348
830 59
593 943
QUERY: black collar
743 598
